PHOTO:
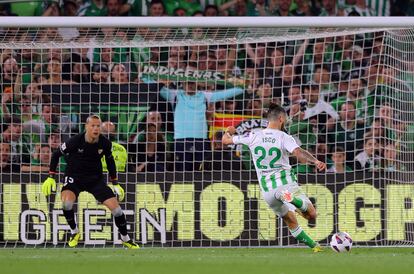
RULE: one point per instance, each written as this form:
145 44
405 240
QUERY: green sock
302 237
299 203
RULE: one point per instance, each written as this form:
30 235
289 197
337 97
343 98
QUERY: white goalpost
346 83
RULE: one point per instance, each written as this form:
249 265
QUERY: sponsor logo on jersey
80 150
100 151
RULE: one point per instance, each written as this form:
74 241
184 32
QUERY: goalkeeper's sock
125 238
70 219
302 237
121 223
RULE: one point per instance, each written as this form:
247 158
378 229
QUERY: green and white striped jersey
373 7
270 150
380 7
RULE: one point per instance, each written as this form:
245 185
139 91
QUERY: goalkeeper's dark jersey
84 159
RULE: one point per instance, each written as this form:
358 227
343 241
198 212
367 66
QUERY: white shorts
279 207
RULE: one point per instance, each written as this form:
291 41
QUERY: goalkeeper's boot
74 239
130 244
284 196
317 249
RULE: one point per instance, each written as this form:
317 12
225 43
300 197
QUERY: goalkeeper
83 154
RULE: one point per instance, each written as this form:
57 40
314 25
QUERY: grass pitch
205 260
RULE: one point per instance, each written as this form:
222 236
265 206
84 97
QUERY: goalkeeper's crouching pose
83 154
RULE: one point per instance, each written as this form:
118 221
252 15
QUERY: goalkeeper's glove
118 190
49 185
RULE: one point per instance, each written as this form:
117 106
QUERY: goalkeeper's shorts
96 186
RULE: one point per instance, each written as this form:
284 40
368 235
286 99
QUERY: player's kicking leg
68 199
306 209
297 231
120 221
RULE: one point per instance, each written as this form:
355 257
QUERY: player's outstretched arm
227 138
305 157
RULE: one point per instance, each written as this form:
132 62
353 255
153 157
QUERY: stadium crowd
346 95
210 8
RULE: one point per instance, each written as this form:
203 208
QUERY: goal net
166 94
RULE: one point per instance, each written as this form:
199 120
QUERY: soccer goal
166 88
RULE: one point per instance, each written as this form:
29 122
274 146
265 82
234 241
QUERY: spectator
372 76
54 140
357 94
190 124
6 166
321 151
179 12
233 8
9 71
316 57
356 8
264 92
342 46
54 70
44 124
211 10
339 159
284 9
322 77
7 105
108 129
114 7
347 133
380 7
303 8
151 153
294 95
39 161
12 134
34 93
257 55
377 131
100 73
257 8
189 6
134 8
386 115
254 108
329 8
153 117
105 56
77 70
390 161
93 8
120 74
70 7
318 112
51 8
286 76
302 130
26 109
277 61
368 159
157 8
228 107
289 78
223 59
221 157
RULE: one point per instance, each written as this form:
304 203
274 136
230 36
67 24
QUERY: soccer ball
341 242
